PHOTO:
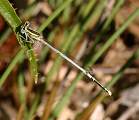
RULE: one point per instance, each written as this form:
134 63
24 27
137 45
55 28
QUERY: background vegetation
100 35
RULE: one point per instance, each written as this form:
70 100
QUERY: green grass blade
96 14
9 14
86 8
113 13
4 36
30 115
21 91
107 23
10 67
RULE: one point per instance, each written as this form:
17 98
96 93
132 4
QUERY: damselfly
29 35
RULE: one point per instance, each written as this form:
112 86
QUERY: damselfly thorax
29 35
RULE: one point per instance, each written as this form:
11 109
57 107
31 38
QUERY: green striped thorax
27 34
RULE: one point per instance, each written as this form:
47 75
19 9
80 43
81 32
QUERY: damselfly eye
26 24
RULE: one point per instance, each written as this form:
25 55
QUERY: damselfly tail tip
110 93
